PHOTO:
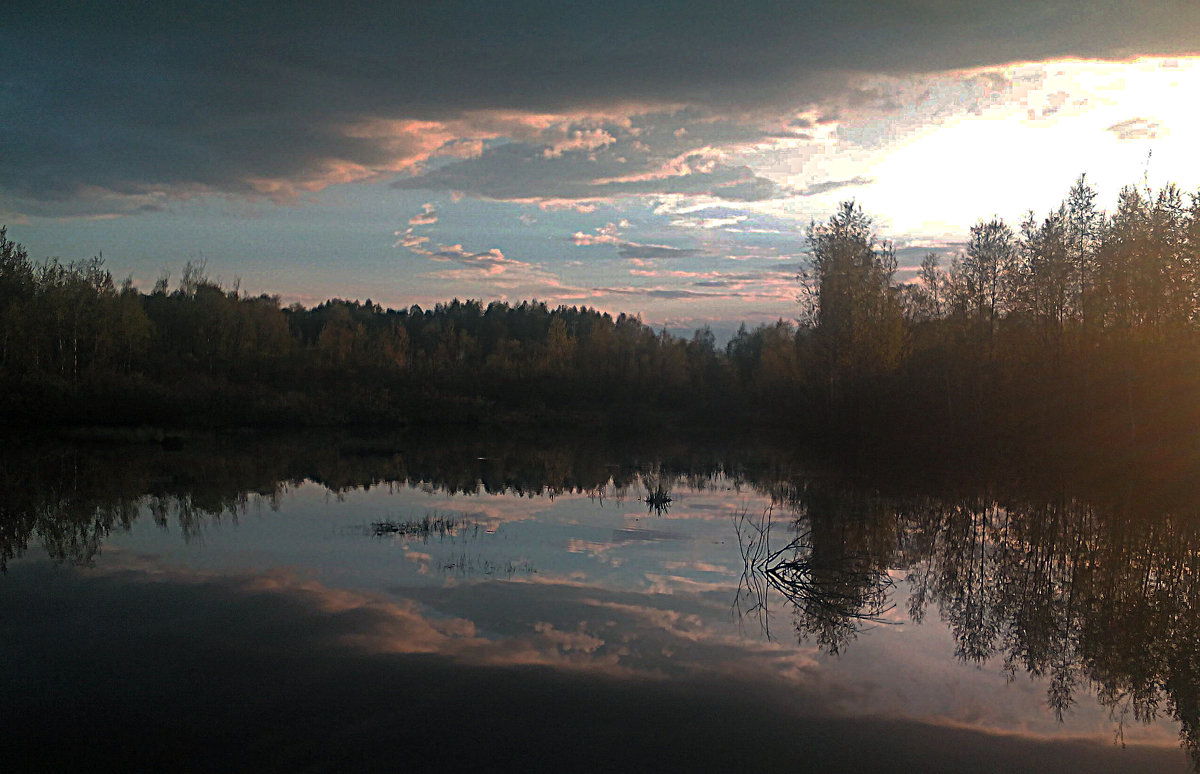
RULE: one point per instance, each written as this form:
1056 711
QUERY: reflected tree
832 572
1095 595
1100 597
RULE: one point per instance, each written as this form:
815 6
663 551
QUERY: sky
661 159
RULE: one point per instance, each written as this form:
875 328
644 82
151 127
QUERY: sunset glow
308 187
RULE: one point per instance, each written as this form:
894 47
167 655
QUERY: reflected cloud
1050 587
644 536
1046 588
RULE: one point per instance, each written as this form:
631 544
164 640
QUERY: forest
1071 332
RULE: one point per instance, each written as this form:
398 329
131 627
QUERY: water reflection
72 498
833 584
431 525
296 676
1093 595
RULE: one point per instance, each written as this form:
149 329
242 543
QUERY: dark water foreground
557 603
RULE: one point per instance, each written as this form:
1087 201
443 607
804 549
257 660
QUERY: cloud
579 140
1137 129
10 218
426 217
408 240
833 185
105 103
490 261
774 288
552 204
665 293
636 157
604 235
653 252
730 219
636 252
484 272
710 223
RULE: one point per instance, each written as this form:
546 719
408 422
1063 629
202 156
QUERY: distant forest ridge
1075 330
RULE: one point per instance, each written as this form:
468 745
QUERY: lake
537 601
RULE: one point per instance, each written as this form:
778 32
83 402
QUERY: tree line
1077 326
77 346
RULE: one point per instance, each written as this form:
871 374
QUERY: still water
473 603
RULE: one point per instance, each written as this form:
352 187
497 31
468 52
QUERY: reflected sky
578 629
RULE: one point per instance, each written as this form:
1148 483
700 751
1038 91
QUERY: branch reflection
1101 598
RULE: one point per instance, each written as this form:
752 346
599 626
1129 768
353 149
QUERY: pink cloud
579 139
583 206
605 235
402 145
426 217
701 161
490 261
408 240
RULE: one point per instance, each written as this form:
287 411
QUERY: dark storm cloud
137 98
